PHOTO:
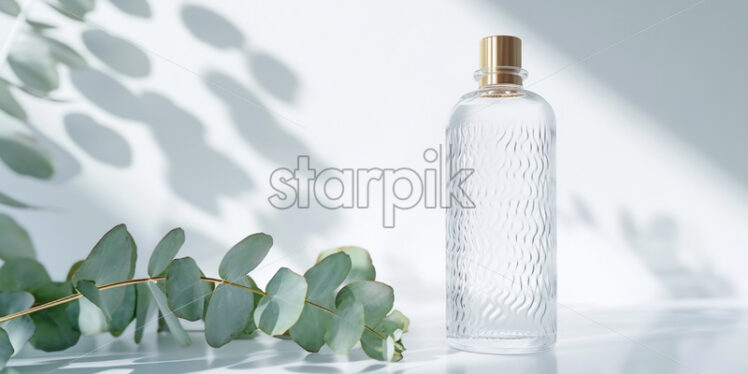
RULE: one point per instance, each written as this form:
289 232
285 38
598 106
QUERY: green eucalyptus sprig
336 302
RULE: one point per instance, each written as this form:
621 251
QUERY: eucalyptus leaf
14 240
6 348
282 306
91 319
184 289
22 274
244 256
73 269
9 104
31 61
64 54
322 280
9 201
390 348
21 328
112 259
124 313
24 156
376 297
399 320
143 310
345 327
56 327
89 290
165 251
175 328
229 312
361 265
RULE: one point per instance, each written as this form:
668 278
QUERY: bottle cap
499 56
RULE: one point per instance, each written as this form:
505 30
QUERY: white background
194 104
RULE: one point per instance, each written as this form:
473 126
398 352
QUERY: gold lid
497 53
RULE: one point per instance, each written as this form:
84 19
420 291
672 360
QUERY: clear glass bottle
501 222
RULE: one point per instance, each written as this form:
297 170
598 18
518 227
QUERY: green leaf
32 63
143 309
21 328
64 53
229 312
361 265
73 269
244 256
6 348
345 327
175 328
165 251
184 289
326 276
322 280
56 327
9 104
111 260
309 331
376 297
390 348
399 319
9 201
23 274
89 290
124 314
24 156
91 319
14 240
282 306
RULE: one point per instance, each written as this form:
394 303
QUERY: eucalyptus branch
336 302
78 295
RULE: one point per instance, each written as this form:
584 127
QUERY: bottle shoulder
501 103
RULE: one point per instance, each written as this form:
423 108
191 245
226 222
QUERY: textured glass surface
501 254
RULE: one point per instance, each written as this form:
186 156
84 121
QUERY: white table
678 338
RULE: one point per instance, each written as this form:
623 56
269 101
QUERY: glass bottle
501 222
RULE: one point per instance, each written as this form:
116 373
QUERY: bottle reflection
537 363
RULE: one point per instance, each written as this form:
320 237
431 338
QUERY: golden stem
76 296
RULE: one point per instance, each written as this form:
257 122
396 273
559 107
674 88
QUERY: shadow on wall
681 266
258 125
688 72
196 172
659 243
270 73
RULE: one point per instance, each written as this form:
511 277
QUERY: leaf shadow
196 171
117 53
210 27
98 141
137 8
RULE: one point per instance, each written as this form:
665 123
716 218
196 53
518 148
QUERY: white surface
676 339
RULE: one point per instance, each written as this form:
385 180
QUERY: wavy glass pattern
501 265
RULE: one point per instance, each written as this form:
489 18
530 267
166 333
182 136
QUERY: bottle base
503 346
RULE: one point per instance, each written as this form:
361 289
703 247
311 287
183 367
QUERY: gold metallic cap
498 55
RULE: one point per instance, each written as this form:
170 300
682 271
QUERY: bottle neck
500 76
